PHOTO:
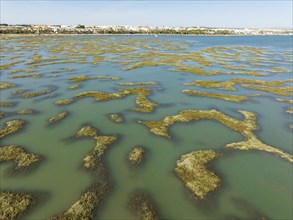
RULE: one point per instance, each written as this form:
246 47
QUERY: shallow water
262 182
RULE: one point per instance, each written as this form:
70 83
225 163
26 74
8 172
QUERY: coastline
182 35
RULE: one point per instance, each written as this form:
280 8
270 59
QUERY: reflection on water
254 184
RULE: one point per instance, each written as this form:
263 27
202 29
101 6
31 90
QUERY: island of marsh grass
135 156
143 103
17 154
11 127
231 98
102 142
58 117
245 127
12 205
116 118
191 168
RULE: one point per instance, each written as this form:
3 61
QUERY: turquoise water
262 182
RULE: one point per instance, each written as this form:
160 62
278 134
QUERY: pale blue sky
255 14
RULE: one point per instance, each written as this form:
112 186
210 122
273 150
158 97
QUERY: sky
229 13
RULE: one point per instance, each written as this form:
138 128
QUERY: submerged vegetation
116 118
143 206
11 127
135 156
17 154
58 117
12 204
245 127
143 103
62 70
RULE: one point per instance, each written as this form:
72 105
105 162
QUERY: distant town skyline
233 14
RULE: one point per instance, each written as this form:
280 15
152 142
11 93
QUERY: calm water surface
251 182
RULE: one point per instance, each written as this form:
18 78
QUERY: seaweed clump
283 91
82 209
38 75
137 83
12 204
35 94
11 127
229 84
89 201
245 127
75 86
191 168
85 78
232 98
7 104
63 102
116 118
17 154
143 103
94 158
6 85
135 156
143 206
58 117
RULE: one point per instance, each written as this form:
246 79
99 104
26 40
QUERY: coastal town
128 29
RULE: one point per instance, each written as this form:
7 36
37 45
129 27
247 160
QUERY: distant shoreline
182 35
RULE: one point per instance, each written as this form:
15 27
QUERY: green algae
85 208
135 156
38 75
137 83
85 78
18 92
191 168
75 86
143 206
21 71
284 91
17 154
82 209
58 117
143 103
7 104
94 158
35 94
245 127
11 127
63 102
13 204
229 84
9 65
232 98
86 131
3 114
25 112
116 118
6 85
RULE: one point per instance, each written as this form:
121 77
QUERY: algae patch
116 118
58 117
143 206
135 156
245 127
17 154
191 168
13 204
6 85
11 127
231 98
